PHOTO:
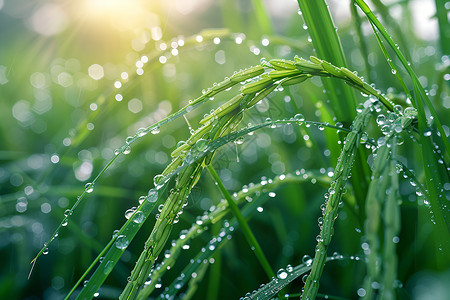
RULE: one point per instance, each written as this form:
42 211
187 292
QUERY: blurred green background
78 77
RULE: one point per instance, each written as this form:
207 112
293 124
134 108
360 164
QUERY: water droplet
299 118
138 217
398 109
201 145
381 119
130 212
386 129
239 141
304 278
156 130
45 251
410 112
121 242
307 260
158 181
282 274
129 140
126 150
152 195
364 137
141 132
89 187
289 268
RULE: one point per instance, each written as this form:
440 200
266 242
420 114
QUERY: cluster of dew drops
126 148
288 272
389 124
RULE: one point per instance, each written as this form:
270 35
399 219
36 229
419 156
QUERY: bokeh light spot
49 19
135 105
96 72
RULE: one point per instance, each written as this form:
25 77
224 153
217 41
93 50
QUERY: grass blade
242 223
262 17
328 47
284 277
341 175
115 249
434 179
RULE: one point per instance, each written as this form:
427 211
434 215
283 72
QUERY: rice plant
241 159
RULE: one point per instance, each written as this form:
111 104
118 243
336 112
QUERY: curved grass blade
222 209
115 249
328 47
284 277
139 134
221 141
435 173
130 228
361 39
250 237
420 93
215 243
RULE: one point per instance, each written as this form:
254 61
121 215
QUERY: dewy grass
341 175
219 123
203 222
380 209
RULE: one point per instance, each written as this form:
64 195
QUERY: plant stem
341 175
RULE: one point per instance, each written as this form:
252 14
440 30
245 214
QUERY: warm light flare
109 6
124 14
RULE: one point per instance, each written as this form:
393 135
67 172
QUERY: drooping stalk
218 123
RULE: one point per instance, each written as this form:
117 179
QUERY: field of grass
224 149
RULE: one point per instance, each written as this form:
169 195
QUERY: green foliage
225 202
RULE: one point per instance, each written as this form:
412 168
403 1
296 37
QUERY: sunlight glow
124 14
108 5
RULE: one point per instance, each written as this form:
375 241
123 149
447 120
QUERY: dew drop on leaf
307 260
138 217
126 150
89 187
156 130
121 242
152 195
282 274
